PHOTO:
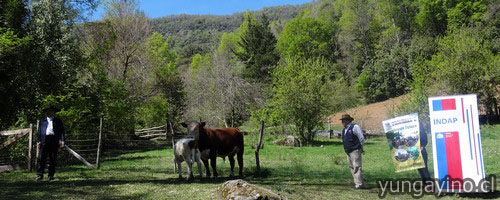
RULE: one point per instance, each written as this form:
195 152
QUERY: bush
301 95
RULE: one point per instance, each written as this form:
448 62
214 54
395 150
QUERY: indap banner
456 142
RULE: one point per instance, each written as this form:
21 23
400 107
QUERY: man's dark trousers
48 148
424 172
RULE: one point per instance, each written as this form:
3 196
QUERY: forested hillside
289 66
191 34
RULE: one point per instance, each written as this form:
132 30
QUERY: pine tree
257 48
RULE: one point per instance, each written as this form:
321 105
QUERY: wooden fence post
97 163
257 161
173 142
329 128
166 131
30 147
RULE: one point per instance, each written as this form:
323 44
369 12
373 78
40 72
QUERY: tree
257 44
168 83
200 61
14 73
465 65
14 15
358 34
217 93
215 89
301 95
387 76
306 37
54 55
228 45
39 56
58 57
436 16
461 63
110 98
130 28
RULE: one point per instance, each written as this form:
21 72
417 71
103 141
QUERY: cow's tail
239 156
241 144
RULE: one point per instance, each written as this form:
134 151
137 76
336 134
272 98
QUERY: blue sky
160 8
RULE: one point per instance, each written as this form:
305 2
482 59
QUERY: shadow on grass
326 143
130 158
334 143
61 183
294 173
489 195
66 189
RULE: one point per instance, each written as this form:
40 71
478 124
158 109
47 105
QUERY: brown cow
215 143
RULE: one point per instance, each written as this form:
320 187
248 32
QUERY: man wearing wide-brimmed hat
353 140
49 138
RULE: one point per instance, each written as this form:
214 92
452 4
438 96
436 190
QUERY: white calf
186 150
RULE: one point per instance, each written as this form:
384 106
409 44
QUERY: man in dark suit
49 138
424 172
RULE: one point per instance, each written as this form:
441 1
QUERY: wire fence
89 147
115 144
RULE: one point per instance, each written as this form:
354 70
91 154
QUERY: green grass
299 173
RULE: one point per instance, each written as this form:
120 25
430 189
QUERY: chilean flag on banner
444 104
457 152
449 160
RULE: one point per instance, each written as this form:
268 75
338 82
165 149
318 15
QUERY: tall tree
130 28
168 83
357 35
39 54
55 54
14 70
216 91
307 37
258 51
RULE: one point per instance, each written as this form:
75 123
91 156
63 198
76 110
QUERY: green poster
403 136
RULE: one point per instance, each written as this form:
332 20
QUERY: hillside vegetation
288 65
205 31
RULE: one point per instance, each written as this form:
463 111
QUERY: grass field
299 173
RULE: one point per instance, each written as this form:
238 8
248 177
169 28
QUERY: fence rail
17 135
15 132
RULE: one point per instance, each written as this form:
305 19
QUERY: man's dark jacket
350 140
58 129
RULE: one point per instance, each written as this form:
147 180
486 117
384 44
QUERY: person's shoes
51 178
39 178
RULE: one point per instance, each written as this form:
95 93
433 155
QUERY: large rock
241 190
288 141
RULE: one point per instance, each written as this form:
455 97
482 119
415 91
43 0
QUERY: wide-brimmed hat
51 107
347 117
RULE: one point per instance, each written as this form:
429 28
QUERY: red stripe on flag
449 104
454 160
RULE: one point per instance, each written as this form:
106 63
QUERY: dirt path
370 116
